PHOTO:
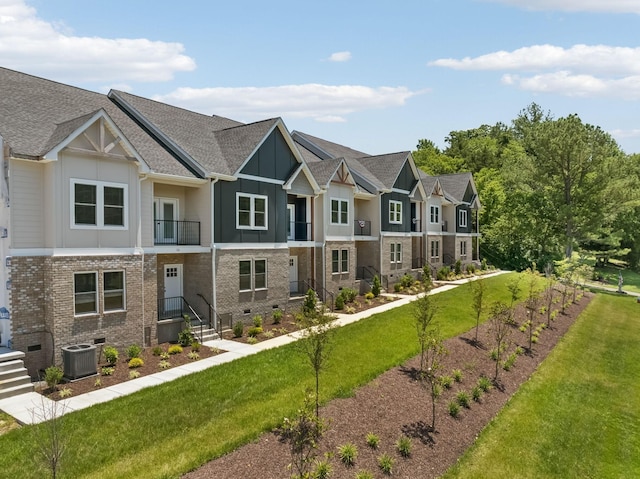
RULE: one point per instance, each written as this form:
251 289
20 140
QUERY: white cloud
331 119
340 57
320 102
610 6
582 70
28 43
622 134
581 58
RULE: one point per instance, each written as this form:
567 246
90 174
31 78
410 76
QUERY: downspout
214 300
139 246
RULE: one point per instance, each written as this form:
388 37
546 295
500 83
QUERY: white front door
293 274
172 304
291 226
165 212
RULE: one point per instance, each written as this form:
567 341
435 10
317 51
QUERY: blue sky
374 75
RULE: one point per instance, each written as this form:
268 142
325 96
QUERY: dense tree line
548 187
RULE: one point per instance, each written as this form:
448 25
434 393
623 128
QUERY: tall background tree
547 186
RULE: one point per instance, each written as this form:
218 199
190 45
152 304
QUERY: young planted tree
49 435
375 287
315 341
477 301
302 433
532 304
500 329
434 351
514 288
424 310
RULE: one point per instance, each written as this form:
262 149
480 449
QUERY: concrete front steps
207 334
14 379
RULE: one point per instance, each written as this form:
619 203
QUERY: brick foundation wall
334 282
395 271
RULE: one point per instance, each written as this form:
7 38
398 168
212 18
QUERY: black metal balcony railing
416 225
169 232
362 228
445 226
298 231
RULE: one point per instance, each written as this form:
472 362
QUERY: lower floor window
114 299
253 274
435 249
463 248
85 292
396 252
340 261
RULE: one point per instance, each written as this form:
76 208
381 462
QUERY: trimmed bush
238 328
135 363
348 453
257 321
53 376
254 331
373 440
276 316
385 462
454 409
375 286
175 349
133 351
339 302
111 354
403 445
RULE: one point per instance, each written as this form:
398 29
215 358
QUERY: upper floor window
395 212
462 218
434 214
251 211
339 212
98 204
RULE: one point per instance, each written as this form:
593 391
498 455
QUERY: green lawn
167 430
579 416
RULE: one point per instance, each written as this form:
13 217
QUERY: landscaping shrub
252 340
375 286
443 273
310 302
175 349
53 376
483 264
164 364
484 383
364 474
446 382
403 445
457 375
373 440
406 281
193 356
348 453
238 328
157 350
133 351
385 462
195 346
476 393
369 295
397 287
339 302
463 399
458 267
454 409
276 316
268 334
254 331
65 392
257 321
349 295
135 363
106 371
322 470
185 337
111 354
134 374
471 268
349 310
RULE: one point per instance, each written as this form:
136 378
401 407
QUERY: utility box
79 360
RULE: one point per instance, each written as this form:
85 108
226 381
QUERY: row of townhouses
120 214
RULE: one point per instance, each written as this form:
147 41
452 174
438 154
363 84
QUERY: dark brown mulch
288 323
121 370
395 404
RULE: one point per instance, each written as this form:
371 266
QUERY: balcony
416 226
362 228
445 226
168 232
298 231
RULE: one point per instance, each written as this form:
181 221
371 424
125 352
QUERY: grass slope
579 416
170 429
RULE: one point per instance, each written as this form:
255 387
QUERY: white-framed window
435 249
98 204
85 293
114 298
396 252
251 211
253 274
395 212
463 249
434 214
339 261
339 212
462 218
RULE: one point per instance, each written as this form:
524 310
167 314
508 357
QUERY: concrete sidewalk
33 408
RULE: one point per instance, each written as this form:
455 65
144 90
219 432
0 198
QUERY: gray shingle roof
333 149
36 114
323 171
385 168
455 184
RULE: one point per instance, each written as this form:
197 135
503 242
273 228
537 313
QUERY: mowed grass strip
168 430
579 415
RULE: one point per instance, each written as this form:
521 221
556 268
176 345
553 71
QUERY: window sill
86 315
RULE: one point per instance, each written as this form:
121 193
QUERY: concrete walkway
33 408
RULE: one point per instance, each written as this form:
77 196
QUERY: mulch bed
121 370
395 404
